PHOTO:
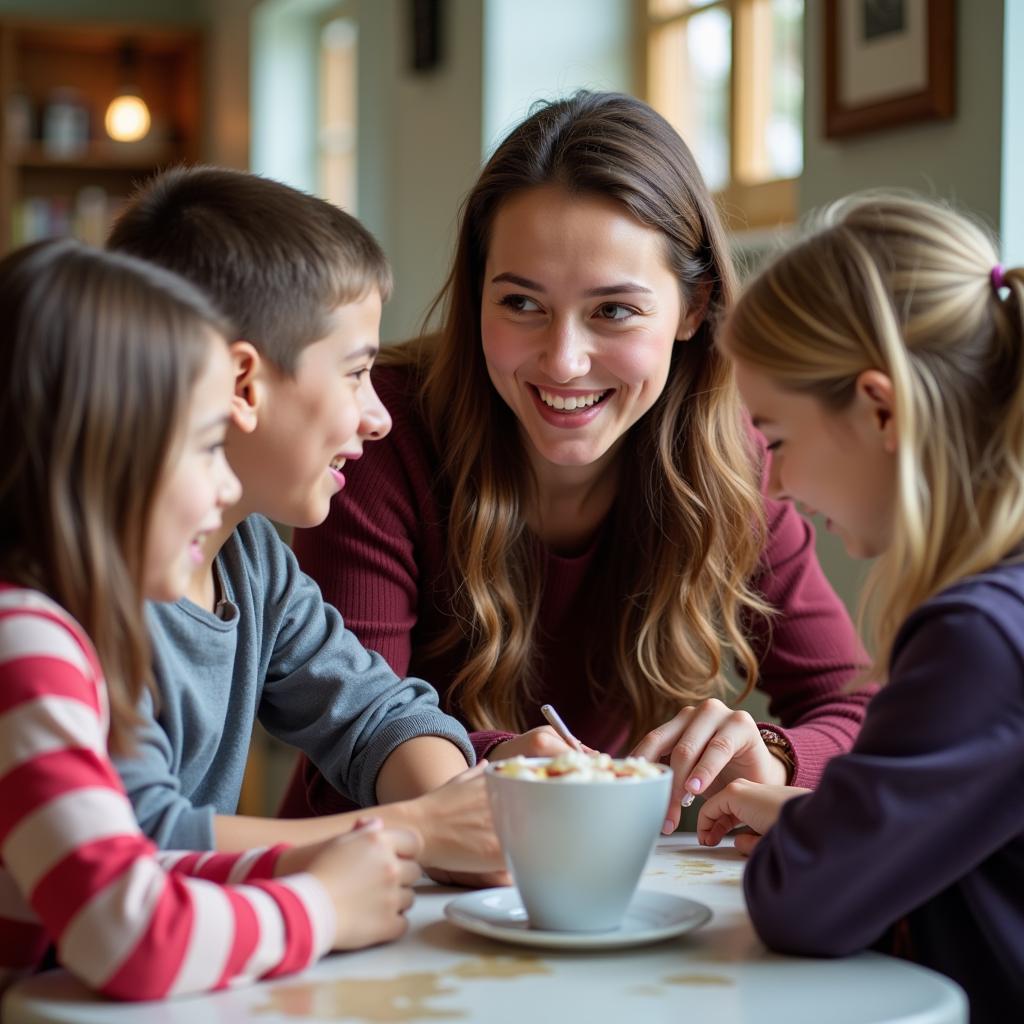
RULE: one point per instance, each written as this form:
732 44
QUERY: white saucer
651 917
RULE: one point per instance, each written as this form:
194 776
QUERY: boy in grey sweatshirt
303 284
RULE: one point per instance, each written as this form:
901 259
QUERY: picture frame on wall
888 62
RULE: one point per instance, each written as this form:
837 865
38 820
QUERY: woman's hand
709 745
743 803
540 742
368 875
455 822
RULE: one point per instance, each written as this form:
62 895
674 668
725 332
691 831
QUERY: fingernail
693 785
687 800
667 827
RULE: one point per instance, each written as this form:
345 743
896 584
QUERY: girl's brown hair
98 354
689 499
905 285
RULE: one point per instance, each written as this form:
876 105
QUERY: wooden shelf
99 155
40 190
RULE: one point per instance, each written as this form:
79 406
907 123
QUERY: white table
720 973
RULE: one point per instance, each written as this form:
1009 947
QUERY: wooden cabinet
60 173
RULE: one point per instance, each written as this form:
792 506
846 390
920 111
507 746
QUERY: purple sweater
381 559
923 822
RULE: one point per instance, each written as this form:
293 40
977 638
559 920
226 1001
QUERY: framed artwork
887 62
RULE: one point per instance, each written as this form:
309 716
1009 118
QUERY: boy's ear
874 392
247 365
693 313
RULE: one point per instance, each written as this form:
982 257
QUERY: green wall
957 159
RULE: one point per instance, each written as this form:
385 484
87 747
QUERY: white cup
576 849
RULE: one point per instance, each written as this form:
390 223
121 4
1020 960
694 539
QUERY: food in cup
573 766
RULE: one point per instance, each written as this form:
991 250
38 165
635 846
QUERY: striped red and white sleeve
76 872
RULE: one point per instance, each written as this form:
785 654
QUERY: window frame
745 205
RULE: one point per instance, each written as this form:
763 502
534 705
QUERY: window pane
784 131
768 91
337 136
690 63
707 60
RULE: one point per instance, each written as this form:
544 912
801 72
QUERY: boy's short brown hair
276 261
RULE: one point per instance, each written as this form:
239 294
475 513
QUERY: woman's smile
579 318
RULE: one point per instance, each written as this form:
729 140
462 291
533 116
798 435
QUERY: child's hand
742 803
368 874
709 745
455 822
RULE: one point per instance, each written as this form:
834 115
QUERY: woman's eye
614 311
519 303
773 445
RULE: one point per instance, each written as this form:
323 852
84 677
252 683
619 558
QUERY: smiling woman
568 506
579 320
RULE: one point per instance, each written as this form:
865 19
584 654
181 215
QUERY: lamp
127 118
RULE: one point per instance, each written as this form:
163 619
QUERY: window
336 149
304 97
728 74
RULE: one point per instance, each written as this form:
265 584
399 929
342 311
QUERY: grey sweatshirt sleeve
154 788
325 693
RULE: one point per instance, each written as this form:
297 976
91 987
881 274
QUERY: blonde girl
115 385
883 360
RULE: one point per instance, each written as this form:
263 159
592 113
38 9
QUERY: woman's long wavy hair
688 515
98 355
903 285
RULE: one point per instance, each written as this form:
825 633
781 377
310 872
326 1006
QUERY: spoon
555 720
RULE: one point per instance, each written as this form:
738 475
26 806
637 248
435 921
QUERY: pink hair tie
997 276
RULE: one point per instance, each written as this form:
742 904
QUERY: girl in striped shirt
116 386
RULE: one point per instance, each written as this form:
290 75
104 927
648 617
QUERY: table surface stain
645 990
400 998
697 979
690 864
695 869
499 967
